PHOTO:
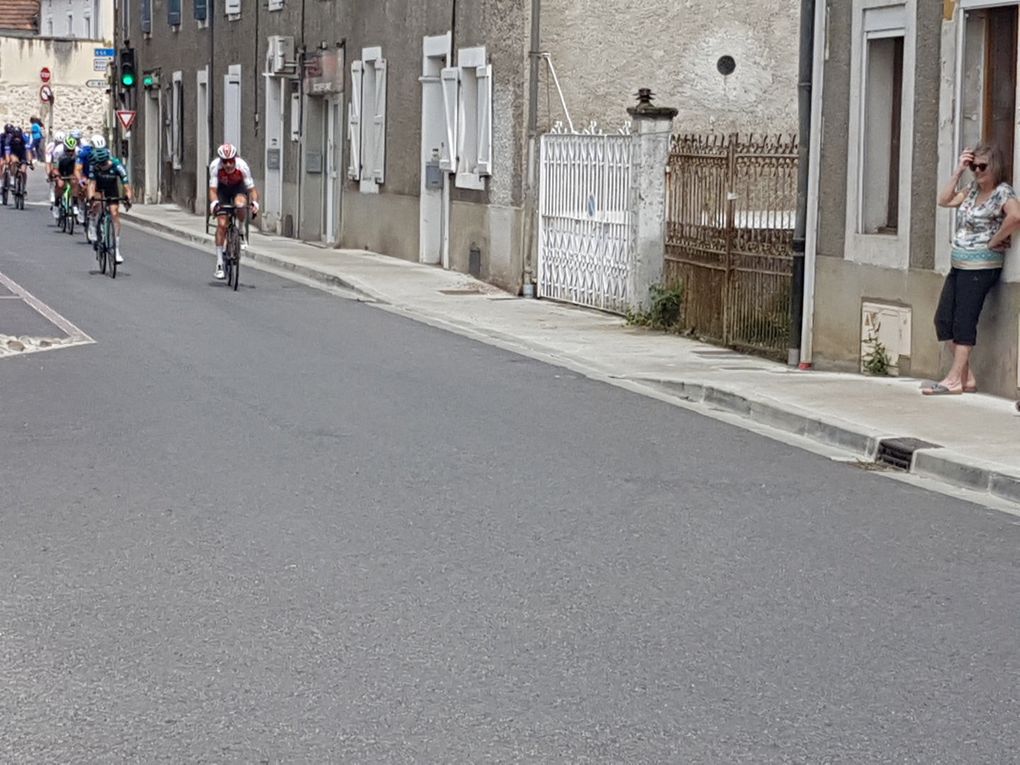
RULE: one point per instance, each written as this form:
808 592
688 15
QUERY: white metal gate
585 233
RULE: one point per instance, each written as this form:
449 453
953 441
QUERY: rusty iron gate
729 229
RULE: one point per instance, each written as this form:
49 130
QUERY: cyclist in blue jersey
38 136
81 173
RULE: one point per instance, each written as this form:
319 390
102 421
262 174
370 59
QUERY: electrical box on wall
281 54
295 116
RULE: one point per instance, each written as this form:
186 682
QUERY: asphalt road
280 526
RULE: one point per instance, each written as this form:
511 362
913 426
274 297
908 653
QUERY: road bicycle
65 207
106 235
232 243
5 191
19 186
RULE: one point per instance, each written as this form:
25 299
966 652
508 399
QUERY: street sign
46 94
126 118
106 52
44 74
96 83
100 64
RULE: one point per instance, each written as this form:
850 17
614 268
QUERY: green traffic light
127 80
147 81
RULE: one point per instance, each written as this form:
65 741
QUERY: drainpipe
211 106
814 175
531 195
807 22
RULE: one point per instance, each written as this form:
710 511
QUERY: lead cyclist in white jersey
230 183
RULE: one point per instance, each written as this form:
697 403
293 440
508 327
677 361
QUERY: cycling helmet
227 151
8 128
59 136
98 141
76 134
70 143
99 156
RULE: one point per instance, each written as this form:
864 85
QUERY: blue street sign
106 53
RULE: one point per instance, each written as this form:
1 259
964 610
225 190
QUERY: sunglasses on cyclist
979 166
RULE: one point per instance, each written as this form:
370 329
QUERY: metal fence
729 229
585 221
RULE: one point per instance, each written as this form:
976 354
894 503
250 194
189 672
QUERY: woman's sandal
938 389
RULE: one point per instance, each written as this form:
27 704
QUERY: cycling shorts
227 193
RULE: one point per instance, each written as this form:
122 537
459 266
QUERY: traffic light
127 67
150 80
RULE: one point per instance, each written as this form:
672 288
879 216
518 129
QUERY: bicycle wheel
110 243
70 218
19 192
6 188
233 247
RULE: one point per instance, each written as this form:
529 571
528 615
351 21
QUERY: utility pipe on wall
807 22
814 176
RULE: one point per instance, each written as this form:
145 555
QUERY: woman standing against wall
988 212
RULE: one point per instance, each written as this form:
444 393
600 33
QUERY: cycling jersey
239 177
107 176
64 160
15 146
85 160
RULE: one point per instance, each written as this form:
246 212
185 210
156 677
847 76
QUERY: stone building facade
395 126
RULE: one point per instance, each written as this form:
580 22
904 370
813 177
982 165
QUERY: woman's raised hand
965 160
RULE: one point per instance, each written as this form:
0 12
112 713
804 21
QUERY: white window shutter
354 121
232 7
484 166
451 99
379 122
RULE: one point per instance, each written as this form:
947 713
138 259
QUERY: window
146 16
881 133
366 120
70 25
232 106
232 8
988 97
88 26
201 10
49 26
173 12
467 100
275 5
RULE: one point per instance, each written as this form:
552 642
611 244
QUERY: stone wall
70 62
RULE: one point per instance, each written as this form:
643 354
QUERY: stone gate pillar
652 130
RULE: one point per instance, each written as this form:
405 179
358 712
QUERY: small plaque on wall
313 161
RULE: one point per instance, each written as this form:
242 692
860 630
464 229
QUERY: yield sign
126 118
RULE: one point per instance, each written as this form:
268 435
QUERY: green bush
665 309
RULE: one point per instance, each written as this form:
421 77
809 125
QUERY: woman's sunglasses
980 166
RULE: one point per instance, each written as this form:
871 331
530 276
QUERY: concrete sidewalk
976 435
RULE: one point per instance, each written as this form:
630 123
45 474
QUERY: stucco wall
70 62
604 50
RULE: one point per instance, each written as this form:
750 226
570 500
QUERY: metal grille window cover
585 222
731 208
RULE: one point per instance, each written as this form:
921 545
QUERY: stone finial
645 107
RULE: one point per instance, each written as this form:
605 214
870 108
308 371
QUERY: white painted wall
85 19
604 50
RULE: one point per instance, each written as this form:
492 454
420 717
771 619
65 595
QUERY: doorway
273 198
434 202
201 139
153 130
332 141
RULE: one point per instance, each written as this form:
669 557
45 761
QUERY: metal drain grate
899 452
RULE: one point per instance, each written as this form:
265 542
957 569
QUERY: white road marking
75 335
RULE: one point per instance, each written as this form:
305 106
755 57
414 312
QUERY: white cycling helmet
98 142
76 134
227 151
59 136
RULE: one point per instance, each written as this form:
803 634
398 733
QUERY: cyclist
81 176
17 153
230 183
63 161
37 137
105 176
51 171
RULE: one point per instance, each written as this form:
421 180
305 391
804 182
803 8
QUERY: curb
944 465
256 256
